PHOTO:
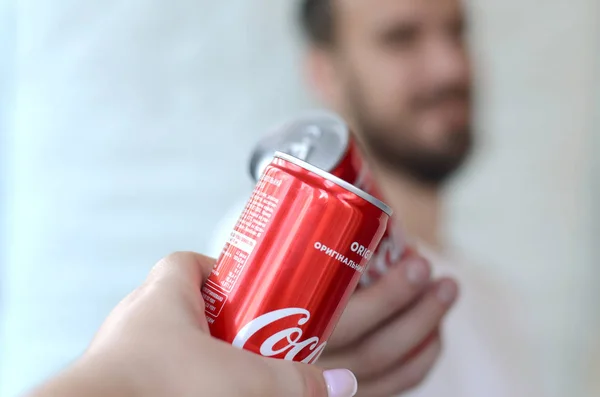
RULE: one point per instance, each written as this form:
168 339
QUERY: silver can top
338 181
319 138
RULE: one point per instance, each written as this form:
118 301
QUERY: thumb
303 380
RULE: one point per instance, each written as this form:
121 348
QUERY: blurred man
399 72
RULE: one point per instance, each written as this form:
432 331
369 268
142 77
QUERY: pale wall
132 130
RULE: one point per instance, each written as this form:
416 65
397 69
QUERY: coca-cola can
292 261
324 140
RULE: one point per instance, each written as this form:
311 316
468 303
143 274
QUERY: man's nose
447 63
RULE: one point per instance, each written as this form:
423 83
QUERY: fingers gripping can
292 261
324 140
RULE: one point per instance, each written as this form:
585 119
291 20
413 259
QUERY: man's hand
389 334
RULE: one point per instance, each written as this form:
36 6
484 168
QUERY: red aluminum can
292 261
324 140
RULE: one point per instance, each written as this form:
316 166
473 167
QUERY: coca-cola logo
287 341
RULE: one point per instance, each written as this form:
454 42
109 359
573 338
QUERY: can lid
320 138
338 181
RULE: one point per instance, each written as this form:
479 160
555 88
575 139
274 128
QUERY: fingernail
447 291
340 383
416 271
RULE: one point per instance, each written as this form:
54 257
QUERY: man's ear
322 77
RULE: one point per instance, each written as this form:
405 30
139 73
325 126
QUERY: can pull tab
302 149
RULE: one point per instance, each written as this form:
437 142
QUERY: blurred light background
128 130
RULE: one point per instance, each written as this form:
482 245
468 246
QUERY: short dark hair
316 20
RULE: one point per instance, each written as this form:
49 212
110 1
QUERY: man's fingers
385 347
372 306
406 376
302 380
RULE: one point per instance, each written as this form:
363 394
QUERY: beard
396 146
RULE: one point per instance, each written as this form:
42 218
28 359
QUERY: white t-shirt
485 353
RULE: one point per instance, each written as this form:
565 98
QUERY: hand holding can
156 343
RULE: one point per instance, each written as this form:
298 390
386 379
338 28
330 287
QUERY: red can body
292 262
